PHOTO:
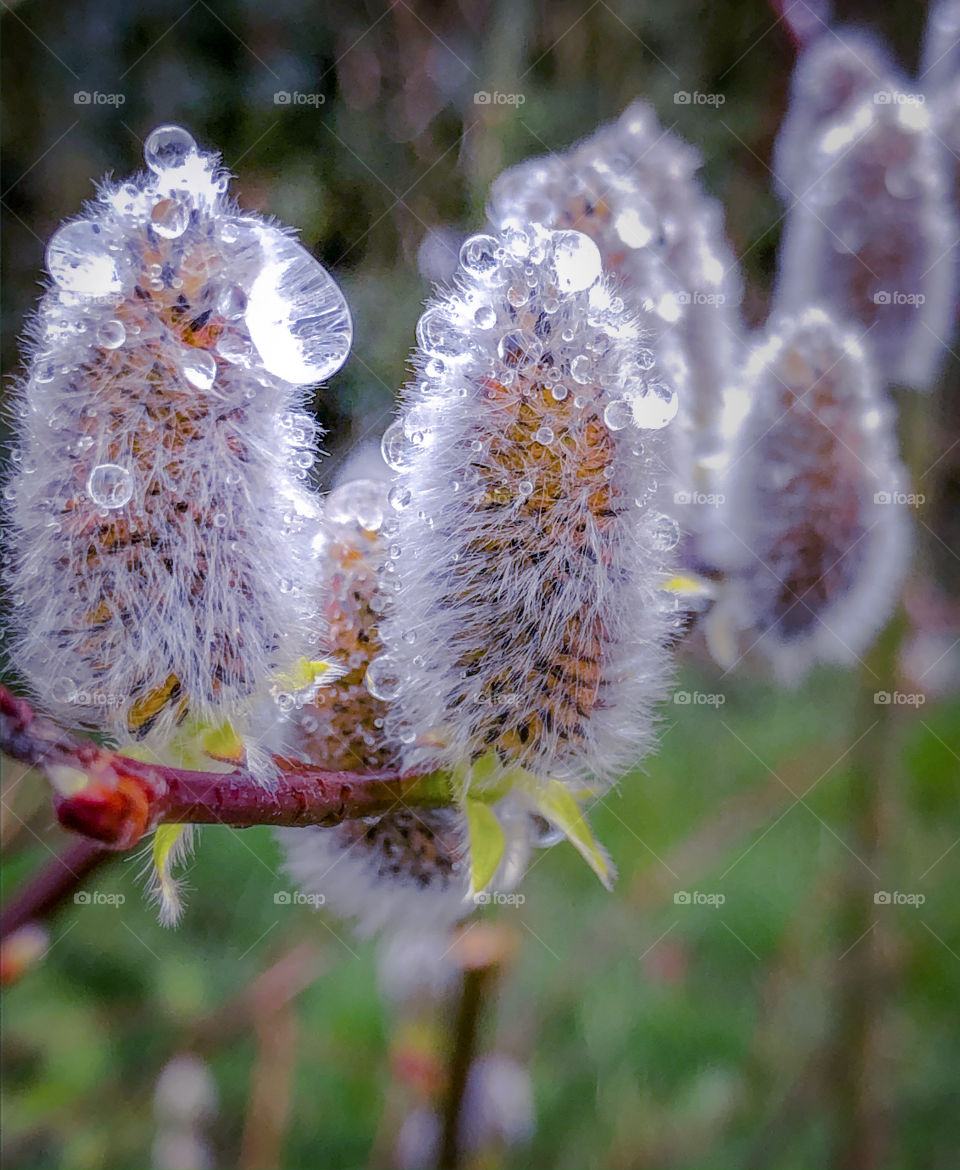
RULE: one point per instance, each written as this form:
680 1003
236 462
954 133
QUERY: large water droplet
168 147
199 367
581 369
79 260
109 485
576 261
296 315
478 256
617 414
656 408
520 349
169 217
358 502
664 533
485 317
383 679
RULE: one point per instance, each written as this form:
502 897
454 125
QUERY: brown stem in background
52 886
122 799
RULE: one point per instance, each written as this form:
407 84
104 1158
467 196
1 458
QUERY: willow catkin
161 528
411 866
633 187
524 566
874 238
814 534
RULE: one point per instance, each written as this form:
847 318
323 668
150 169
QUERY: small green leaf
555 802
487 843
171 843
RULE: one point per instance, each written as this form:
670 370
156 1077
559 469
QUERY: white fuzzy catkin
834 75
940 59
525 562
160 520
874 238
814 534
632 186
410 868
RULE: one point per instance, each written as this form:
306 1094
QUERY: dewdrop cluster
633 188
524 563
161 526
409 867
815 537
873 238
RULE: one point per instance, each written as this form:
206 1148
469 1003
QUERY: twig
121 799
52 886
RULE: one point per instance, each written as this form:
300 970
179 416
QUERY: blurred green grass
657 1033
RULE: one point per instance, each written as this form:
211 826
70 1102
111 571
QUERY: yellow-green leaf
487 843
171 843
555 802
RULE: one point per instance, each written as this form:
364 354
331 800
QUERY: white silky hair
160 520
507 543
818 471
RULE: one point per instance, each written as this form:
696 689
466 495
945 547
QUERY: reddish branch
124 798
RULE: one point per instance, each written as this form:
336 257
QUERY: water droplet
434 368
64 690
436 334
383 678
232 302
576 261
517 295
524 487
109 485
393 447
285 584
544 436
296 315
79 260
199 367
168 147
485 317
581 369
220 520
656 408
169 217
664 533
358 502
235 349
559 392
478 256
111 335
617 414
520 349
285 701
399 497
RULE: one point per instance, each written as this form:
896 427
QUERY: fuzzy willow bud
814 535
161 526
526 560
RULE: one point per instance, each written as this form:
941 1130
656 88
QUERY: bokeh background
798 1023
